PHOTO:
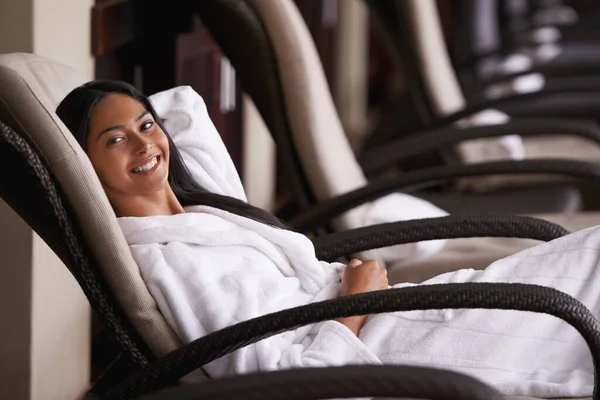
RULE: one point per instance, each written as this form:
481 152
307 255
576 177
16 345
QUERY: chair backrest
412 29
273 53
390 18
482 22
30 89
432 56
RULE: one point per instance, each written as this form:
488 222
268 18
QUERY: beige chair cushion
562 147
30 89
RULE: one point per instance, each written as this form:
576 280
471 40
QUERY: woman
211 260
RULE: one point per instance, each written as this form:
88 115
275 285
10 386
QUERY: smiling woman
134 157
130 153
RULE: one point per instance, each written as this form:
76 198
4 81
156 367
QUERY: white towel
187 121
208 269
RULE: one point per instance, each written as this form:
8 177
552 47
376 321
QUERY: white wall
16 26
44 317
62 31
15 305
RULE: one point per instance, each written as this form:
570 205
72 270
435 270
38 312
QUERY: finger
354 263
372 263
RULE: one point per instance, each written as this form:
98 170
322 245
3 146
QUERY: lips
148 166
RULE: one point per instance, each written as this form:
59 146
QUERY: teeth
149 165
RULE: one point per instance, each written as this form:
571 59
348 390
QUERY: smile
150 166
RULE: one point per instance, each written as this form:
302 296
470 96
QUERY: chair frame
137 372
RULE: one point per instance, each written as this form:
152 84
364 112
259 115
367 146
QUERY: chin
159 184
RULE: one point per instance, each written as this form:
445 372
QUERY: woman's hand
361 277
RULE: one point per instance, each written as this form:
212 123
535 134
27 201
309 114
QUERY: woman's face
127 148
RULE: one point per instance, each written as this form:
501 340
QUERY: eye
115 140
147 125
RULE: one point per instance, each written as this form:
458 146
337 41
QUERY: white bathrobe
209 269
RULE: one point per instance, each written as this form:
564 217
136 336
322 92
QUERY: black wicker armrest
337 382
468 61
346 243
521 297
559 78
322 213
592 87
418 143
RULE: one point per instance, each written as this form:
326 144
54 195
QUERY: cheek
109 167
164 145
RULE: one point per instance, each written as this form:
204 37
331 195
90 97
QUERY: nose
143 145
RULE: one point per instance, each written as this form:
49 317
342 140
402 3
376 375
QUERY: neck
160 203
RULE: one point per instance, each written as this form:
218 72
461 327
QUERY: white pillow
186 118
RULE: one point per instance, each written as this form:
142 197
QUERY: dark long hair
75 111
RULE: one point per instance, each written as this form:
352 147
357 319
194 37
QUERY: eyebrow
113 128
